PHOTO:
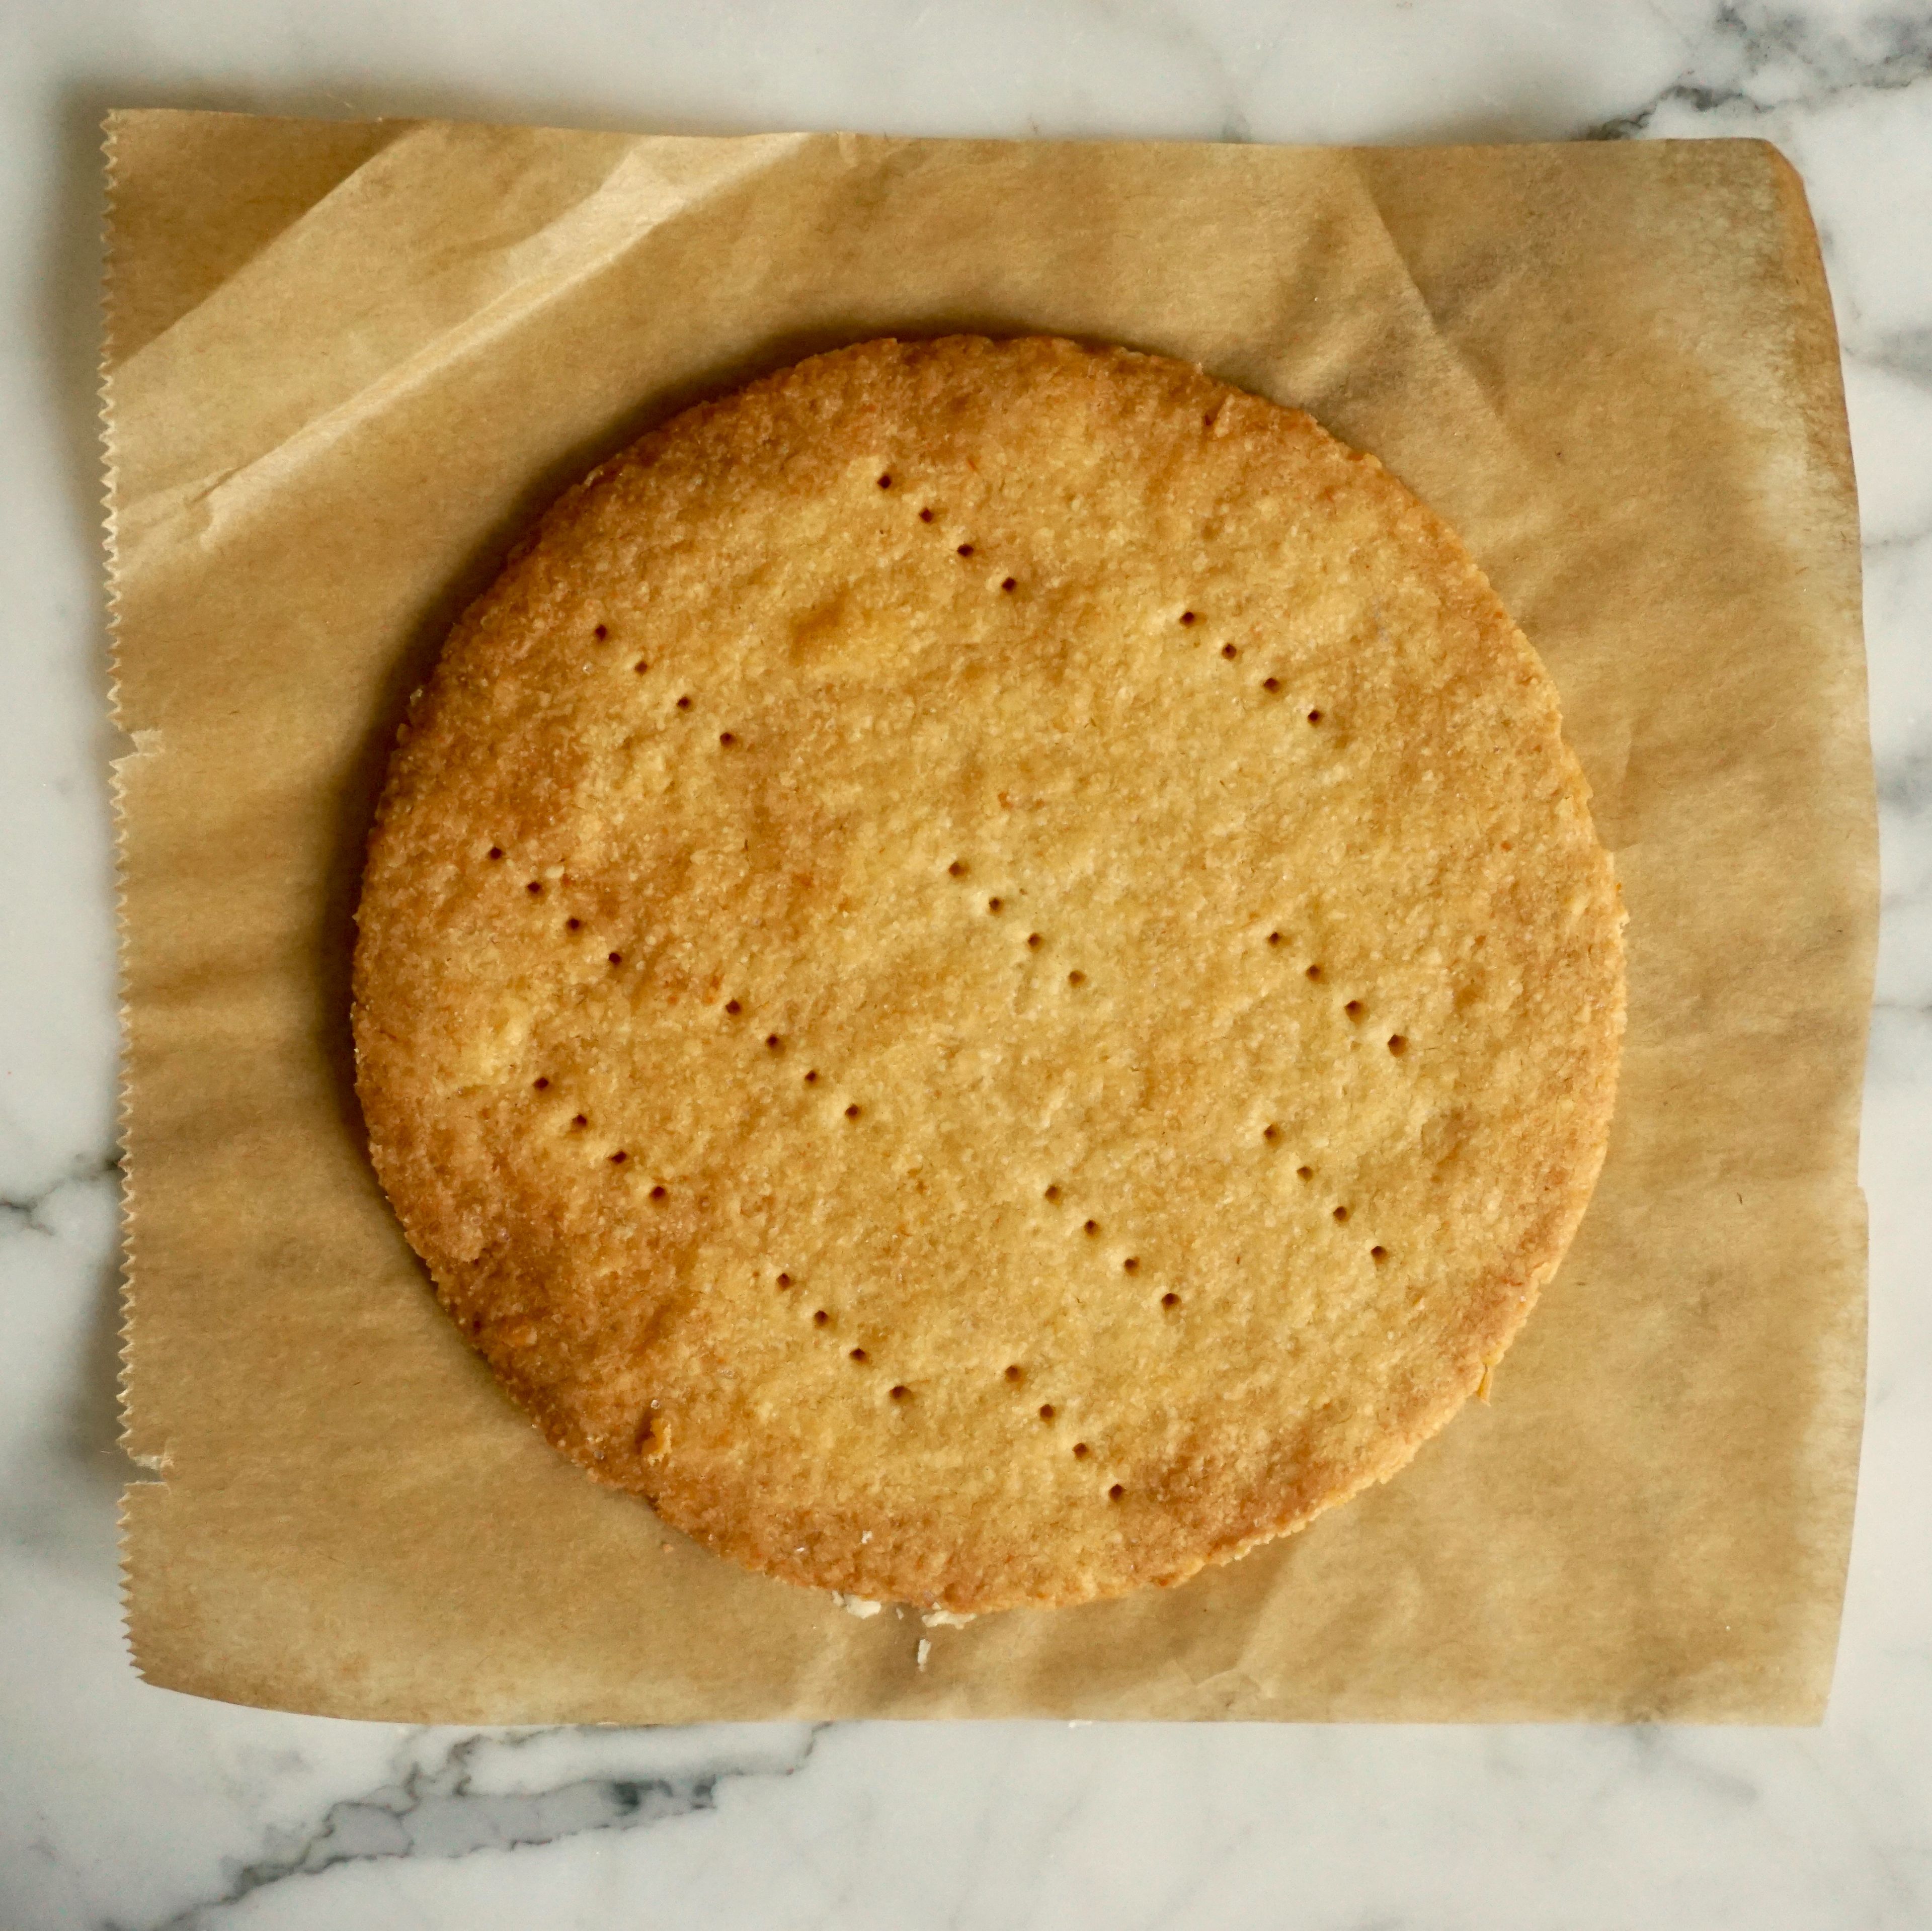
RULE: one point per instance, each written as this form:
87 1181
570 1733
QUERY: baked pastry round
984 973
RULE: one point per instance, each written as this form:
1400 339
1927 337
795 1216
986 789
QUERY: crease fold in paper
476 285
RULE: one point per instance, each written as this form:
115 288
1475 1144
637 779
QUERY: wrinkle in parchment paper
429 292
336 399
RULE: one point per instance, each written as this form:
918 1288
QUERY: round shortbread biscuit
984 973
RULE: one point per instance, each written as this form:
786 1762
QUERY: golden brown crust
984 973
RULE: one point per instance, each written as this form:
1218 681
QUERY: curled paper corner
512 258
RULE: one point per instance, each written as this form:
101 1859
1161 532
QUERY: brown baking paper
347 364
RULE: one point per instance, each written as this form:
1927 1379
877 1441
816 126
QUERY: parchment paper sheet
346 364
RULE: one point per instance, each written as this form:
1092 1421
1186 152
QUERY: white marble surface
127 1807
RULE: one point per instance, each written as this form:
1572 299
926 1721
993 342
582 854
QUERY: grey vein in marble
1760 58
27 1212
446 1809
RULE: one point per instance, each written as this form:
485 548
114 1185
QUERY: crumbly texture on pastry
984 973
